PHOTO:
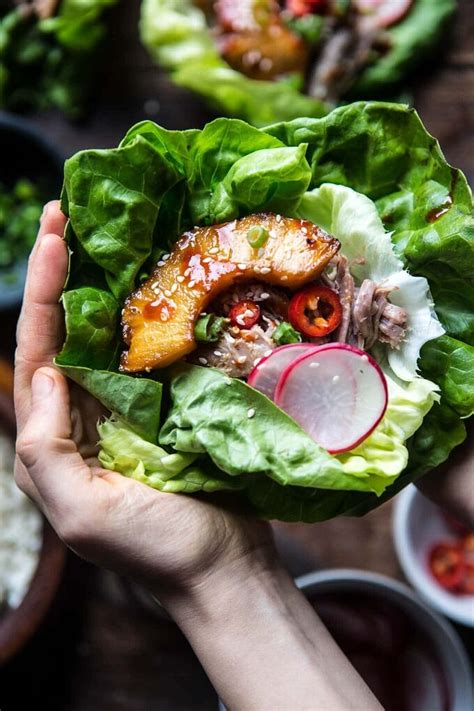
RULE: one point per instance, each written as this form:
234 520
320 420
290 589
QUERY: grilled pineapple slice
158 318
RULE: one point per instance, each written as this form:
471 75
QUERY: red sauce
204 270
391 653
160 309
438 212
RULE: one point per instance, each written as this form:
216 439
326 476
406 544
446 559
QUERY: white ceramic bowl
417 525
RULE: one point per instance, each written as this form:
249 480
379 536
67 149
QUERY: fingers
59 477
52 220
40 324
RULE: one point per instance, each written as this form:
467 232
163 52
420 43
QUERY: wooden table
100 649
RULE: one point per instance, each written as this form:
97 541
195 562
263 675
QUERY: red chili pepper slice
315 311
467 585
244 314
299 8
447 565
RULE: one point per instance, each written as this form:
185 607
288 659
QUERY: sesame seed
203 361
164 316
250 413
265 270
304 230
214 250
242 266
264 295
173 288
284 278
154 285
207 260
187 271
180 279
269 352
266 64
336 379
257 361
165 257
235 330
161 263
241 360
217 353
191 283
167 292
314 364
278 218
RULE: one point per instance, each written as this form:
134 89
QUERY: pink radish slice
267 372
384 13
337 393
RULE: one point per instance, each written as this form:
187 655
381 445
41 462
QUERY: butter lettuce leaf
353 219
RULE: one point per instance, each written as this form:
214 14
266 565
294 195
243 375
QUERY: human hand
451 485
168 541
215 570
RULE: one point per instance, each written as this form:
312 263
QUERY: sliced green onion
285 333
208 328
257 236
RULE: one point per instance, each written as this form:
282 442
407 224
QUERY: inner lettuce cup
266 61
200 258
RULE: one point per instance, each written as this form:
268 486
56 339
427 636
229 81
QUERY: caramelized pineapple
158 318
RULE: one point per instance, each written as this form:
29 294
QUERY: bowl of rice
31 556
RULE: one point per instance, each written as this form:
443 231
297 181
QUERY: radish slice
384 13
267 372
337 393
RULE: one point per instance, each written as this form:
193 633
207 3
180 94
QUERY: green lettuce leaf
124 451
112 195
412 41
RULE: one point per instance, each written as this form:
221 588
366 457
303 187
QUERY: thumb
44 446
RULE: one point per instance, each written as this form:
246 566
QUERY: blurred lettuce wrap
47 53
371 175
178 36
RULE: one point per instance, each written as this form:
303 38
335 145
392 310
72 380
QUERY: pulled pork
367 314
238 350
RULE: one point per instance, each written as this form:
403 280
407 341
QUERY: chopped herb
208 328
285 333
258 236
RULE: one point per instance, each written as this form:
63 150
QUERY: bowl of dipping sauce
31 170
31 556
409 656
424 535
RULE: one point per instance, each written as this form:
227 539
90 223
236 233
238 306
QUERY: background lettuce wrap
177 35
187 428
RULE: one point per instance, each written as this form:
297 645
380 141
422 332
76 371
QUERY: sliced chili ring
244 314
316 311
300 8
447 565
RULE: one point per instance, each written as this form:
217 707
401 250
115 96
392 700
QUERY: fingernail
46 209
42 385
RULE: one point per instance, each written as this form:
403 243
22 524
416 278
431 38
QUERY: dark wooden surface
99 648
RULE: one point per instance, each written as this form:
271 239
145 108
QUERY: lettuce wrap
177 35
369 173
47 53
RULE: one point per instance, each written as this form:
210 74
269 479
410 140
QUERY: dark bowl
26 153
19 624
